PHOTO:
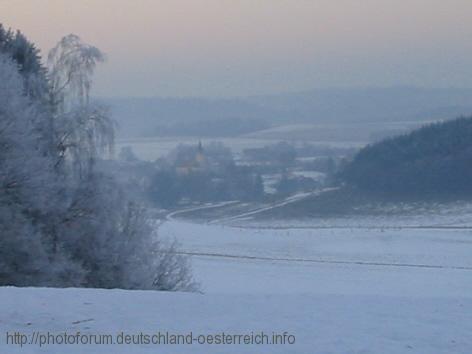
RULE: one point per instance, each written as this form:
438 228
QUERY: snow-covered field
337 290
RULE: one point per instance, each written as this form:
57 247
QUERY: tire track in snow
304 260
289 200
172 215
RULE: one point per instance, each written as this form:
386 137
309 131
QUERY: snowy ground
412 262
321 323
337 290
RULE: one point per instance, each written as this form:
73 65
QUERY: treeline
434 161
64 221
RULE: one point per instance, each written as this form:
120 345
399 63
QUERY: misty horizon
289 92
219 49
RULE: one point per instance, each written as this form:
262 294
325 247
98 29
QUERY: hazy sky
243 47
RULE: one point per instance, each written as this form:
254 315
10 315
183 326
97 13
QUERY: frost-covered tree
64 221
111 236
71 66
16 181
25 178
28 58
84 130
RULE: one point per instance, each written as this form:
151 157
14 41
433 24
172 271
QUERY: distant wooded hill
148 116
433 161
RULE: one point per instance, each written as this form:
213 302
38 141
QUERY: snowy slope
413 262
336 290
321 323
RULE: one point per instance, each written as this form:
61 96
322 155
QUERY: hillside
339 290
433 161
154 116
107 316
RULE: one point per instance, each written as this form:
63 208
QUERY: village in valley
191 174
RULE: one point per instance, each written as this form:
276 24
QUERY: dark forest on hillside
435 160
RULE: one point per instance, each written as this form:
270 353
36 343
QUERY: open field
337 290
